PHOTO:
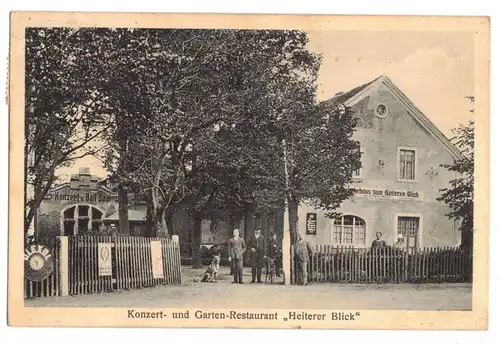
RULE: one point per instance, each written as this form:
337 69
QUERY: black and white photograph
233 172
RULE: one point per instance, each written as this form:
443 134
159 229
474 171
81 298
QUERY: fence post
175 238
62 242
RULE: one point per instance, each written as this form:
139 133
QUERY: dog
210 275
270 270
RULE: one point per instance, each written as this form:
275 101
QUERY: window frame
398 160
341 243
360 176
420 230
79 217
386 111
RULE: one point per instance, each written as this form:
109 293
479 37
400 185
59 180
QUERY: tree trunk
36 204
123 210
162 223
196 242
150 217
169 221
293 209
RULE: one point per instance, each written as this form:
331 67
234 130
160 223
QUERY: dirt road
316 296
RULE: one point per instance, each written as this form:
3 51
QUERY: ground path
223 294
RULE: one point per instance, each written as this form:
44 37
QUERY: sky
434 69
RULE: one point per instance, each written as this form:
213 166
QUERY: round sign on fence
38 262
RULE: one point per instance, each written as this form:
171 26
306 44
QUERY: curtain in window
349 230
407 164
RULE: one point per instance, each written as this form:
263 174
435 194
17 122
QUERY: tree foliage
460 195
63 113
198 117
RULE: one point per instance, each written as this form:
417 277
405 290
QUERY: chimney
74 182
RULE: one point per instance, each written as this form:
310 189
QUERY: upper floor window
381 110
357 173
407 164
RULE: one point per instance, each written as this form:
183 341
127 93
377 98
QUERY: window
407 164
349 230
381 110
81 218
409 227
357 172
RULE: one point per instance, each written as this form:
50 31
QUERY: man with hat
257 245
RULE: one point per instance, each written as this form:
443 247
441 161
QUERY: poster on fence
157 258
104 251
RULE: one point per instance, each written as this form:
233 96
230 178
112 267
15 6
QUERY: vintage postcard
249 171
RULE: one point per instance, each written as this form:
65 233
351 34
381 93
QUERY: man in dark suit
257 245
236 247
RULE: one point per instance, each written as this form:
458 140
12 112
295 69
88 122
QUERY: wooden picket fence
50 286
344 264
132 266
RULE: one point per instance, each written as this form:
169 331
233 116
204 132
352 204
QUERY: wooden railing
387 265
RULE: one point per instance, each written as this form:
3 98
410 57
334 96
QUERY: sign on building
104 260
389 194
157 258
311 224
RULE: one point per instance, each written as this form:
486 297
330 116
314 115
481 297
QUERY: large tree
320 153
63 114
142 72
268 74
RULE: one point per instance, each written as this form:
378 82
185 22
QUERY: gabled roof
344 96
357 94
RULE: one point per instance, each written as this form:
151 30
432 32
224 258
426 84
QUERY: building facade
79 206
400 178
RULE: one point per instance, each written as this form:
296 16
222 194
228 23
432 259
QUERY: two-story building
400 178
